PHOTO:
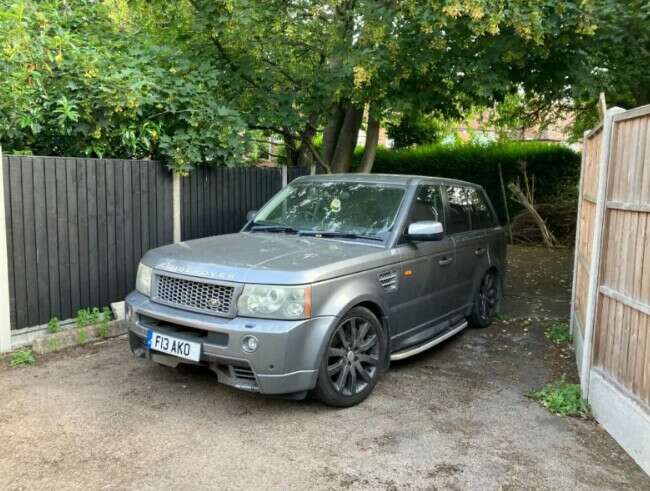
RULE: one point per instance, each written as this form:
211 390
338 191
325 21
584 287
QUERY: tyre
354 359
486 301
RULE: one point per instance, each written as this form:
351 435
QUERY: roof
398 179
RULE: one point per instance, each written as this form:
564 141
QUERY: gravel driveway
453 417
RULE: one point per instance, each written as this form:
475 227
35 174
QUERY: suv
332 279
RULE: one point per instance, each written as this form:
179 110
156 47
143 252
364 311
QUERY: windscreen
343 207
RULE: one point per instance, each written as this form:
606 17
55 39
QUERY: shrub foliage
556 168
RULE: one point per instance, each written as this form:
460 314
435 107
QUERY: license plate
173 346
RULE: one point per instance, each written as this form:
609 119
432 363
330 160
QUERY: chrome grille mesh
194 295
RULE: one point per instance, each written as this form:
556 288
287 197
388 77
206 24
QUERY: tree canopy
200 82
302 67
86 78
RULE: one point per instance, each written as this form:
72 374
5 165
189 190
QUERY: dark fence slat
83 232
30 239
93 250
4 167
111 260
53 233
77 228
41 285
71 166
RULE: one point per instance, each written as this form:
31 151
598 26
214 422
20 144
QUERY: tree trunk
347 140
290 149
370 150
331 133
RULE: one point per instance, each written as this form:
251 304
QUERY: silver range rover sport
332 279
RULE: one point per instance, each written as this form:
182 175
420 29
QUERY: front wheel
486 301
353 361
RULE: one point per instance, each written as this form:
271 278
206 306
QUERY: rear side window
459 207
480 213
427 205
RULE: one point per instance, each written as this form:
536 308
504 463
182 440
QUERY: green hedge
556 168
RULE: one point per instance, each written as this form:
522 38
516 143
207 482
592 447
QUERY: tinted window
459 209
427 205
480 213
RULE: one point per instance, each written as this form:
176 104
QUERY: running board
400 355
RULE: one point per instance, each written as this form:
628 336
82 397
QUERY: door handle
480 251
445 261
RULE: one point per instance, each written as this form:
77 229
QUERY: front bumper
286 360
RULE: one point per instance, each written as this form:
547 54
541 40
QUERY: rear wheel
486 301
353 361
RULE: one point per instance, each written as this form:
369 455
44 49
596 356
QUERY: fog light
249 344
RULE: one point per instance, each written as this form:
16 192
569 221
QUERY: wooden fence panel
70 225
215 200
585 228
621 340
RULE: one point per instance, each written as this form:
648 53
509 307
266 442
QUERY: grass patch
82 336
22 358
558 333
54 325
563 398
103 328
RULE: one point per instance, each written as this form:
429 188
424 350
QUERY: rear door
467 243
424 295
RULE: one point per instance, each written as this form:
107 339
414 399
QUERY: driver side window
427 205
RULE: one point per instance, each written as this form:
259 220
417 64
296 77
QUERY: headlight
143 279
275 302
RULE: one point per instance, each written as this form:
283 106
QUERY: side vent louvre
388 280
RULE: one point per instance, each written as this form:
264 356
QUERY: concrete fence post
176 206
285 178
5 319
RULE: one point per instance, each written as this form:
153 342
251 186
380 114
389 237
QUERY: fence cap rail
637 112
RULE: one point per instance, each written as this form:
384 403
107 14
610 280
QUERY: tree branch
235 66
317 156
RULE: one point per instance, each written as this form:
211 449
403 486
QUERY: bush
418 129
556 168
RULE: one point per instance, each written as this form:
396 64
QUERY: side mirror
250 215
425 230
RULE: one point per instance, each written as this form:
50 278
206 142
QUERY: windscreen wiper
274 228
341 235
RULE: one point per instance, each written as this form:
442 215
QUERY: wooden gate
611 300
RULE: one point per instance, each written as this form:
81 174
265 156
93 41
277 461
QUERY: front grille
194 295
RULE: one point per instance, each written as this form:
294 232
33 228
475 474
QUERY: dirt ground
453 417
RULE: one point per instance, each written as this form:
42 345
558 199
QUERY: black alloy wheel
486 303
353 360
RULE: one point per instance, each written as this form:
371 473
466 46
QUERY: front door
426 265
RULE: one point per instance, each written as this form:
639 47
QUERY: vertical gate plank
41 241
